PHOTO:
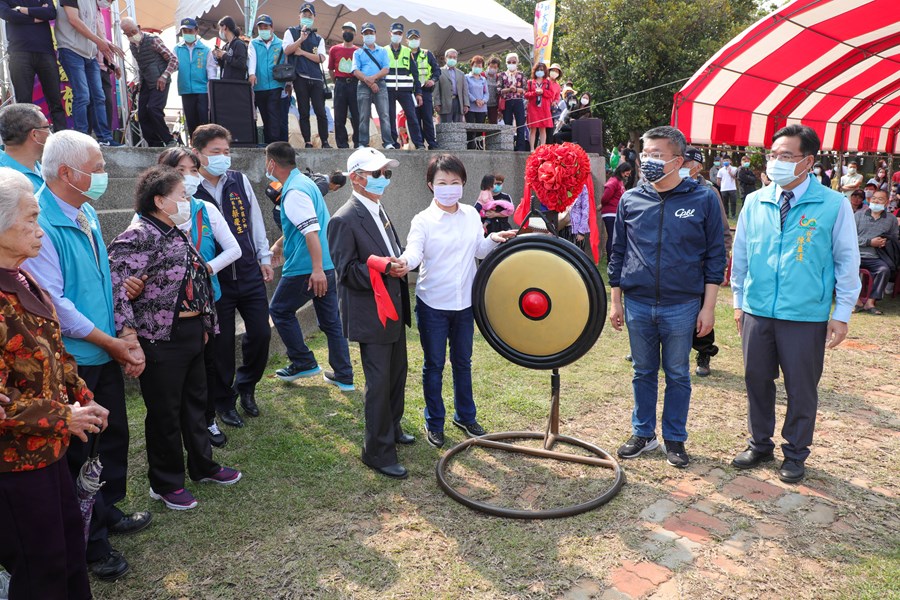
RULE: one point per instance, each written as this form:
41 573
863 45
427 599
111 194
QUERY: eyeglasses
784 157
49 128
657 155
386 172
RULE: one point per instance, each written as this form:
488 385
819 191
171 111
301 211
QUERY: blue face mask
218 164
716 163
265 34
538 73
451 62
497 188
99 182
369 40
654 169
684 173
377 185
306 22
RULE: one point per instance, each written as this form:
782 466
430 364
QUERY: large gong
540 303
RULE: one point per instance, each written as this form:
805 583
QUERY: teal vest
192 77
36 180
201 227
266 59
790 273
296 255
87 286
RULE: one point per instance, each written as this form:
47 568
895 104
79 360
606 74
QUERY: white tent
470 26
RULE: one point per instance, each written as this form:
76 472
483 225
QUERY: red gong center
535 304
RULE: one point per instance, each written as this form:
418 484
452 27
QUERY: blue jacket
665 251
297 260
266 59
192 76
8 161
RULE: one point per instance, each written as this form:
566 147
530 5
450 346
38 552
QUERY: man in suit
451 97
374 304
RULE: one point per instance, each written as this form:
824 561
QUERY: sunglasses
386 172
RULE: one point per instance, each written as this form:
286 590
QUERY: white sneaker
390 147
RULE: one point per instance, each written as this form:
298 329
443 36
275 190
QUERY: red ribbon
592 220
383 303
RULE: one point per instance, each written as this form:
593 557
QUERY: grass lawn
309 520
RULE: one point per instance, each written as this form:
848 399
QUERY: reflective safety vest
424 66
399 77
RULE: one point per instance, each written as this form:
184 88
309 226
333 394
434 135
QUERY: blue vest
302 65
266 59
790 274
202 230
87 286
192 77
297 260
8 161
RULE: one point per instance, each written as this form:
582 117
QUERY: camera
310 30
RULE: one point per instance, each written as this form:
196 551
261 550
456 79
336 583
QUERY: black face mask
348 36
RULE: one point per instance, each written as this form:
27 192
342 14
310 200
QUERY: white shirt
726 178
374 208
446 246
299 209
257 225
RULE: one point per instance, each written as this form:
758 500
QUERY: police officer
429 73
264 52
403 86
196 66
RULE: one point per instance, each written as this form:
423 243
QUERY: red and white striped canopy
833 65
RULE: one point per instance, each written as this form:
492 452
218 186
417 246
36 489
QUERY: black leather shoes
248 403
750 458
406 439
109 568
791 471
131 523
395 471
231 418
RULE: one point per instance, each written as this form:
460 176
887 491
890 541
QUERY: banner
544 17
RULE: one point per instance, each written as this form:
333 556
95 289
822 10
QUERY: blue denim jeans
666 331
436 328
290 295
87 92
365 97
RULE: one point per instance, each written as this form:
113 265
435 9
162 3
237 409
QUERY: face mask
745 164
451 62
654 169
876 208
377 185
538 73
348 36
782 173
448 195
306 23
585 101
869 194
414 44
190 38
727 163
554 75
269 176
851 171
817 170
265 34
99 181
191 183
716 163
369 39
136 38
511 67
395 39
183 214
218 164
492 71
498 188
684 173
477 70
222 35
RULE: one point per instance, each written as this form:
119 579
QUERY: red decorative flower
556 173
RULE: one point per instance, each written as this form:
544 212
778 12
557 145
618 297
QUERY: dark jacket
353 237
24 34
666 251
233 64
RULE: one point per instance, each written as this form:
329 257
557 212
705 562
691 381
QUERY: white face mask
512 67
585 101
183 215
817 170
876 208
851 171
191 183
781 172
136 38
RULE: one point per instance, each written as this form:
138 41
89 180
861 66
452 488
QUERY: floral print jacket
39 377
165 255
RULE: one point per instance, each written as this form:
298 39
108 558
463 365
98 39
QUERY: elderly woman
173 318
42 403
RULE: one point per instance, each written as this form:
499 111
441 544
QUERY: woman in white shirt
444 241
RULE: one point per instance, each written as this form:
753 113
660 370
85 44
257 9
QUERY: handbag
282 71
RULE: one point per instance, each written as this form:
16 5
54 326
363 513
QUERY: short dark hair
282 153
172 156
487 182
204 134
809 140
338 178
17 121
158 180
447 163
621 169
494 60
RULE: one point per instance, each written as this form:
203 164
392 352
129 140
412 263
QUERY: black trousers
248 297
41 535
407 102
311 91
268 103
209 362
151 103
196 112
344 101
108 385
881 272
729 199
173 385
707 343
23 66
798 348
384 366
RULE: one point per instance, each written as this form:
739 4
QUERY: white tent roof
469 26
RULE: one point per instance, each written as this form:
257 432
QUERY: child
493 206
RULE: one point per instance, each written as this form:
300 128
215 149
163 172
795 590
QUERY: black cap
307 6
188 24
368 27
693 154
397 27
413 32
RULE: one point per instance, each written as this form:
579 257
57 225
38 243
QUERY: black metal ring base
555 513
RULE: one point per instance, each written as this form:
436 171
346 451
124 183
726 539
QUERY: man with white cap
340 66
374 304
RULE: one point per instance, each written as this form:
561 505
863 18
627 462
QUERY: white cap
369 159
349 25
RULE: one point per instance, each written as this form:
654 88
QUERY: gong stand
551 436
